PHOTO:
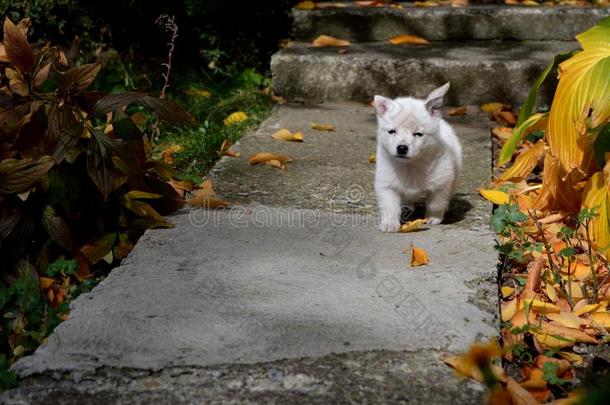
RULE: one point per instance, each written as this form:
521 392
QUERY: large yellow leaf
525 163
583 86
595 195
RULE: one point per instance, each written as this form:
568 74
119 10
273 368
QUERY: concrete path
291 295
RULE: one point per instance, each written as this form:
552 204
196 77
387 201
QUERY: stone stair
486 52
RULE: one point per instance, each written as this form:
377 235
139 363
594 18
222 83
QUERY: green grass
200 145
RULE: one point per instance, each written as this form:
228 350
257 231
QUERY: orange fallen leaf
505 117
326 40
408 39
455 111
502 133
278 99
285 135
168 153
270 159
207 202
412 225
370 3
459 3
419 257
46 282
322 127
225 150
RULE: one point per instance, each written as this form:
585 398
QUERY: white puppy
418 157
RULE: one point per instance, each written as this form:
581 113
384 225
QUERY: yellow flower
236 117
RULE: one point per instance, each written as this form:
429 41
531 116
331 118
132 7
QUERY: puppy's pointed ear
435 101
382 105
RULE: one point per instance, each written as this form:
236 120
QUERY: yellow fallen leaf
601 319
507 291
492 107
425 4
572 357
568 319
408 39
285 135
412 225
455 111
325 40
495 196
508 309
586 309
502 133
306 5
541 306
373 158
235 118
419 257
550 292
322 127
572 334
197 92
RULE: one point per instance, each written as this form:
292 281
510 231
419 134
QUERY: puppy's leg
436 205
388 201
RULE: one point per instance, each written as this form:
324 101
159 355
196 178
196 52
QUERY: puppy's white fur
430 168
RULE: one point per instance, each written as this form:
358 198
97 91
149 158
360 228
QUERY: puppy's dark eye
418 134
392 131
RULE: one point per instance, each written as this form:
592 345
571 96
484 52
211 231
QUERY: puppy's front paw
389 226
434 220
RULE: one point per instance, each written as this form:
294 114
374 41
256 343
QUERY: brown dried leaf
42 75
17 48
322 127
502 133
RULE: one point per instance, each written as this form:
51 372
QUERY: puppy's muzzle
402 150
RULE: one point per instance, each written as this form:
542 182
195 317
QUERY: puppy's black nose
402 150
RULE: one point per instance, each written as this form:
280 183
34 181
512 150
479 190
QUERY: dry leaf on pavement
326 40
408 39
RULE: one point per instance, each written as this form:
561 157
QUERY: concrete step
360 24
479 71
